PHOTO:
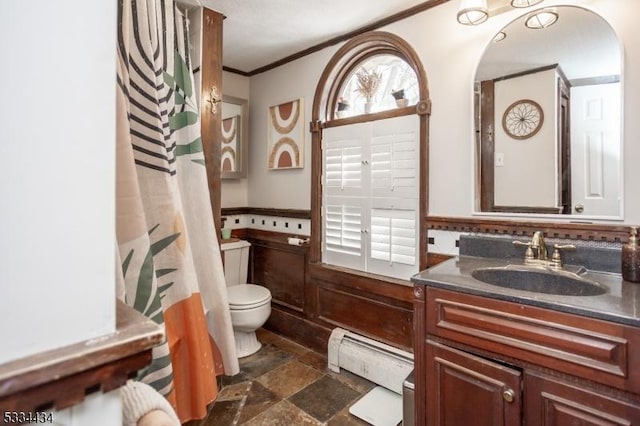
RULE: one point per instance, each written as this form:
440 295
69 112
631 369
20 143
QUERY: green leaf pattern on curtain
148 297
181 84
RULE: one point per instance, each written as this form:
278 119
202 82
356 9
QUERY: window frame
339 67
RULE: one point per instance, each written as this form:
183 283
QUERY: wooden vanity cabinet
463 389
552 402
482 361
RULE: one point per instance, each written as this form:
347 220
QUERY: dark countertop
620 304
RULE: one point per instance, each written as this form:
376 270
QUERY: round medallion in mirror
522 119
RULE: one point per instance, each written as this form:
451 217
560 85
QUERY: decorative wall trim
284 224
263 211
60 378
574 231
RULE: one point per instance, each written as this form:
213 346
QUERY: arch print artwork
286 136
229 144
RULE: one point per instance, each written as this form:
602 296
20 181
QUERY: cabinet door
551 402
464 390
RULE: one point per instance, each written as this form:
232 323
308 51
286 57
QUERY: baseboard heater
375 361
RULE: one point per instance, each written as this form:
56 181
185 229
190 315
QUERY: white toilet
250 304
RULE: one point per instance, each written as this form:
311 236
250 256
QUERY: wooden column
210 112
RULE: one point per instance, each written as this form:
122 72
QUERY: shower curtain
170 258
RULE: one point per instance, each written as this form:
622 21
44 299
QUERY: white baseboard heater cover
375 361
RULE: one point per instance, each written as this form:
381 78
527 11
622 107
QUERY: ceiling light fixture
473 12
525 3
541 20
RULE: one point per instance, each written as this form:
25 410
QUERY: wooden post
210 117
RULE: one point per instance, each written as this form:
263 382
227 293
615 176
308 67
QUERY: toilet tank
236 261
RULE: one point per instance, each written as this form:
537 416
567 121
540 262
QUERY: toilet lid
247 295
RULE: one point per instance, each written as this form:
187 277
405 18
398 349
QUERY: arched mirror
548 118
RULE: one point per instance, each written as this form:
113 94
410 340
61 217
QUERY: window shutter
370 196
343 236
343 169
393 240
344 150
395 159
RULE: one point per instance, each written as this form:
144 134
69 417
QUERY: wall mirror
235 125
548 118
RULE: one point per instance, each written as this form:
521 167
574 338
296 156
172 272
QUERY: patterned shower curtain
169 253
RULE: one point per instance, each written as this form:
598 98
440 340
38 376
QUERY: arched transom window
384 81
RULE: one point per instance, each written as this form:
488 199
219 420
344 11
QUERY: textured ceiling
259 32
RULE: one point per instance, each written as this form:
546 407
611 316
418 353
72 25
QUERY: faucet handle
528 254
556 258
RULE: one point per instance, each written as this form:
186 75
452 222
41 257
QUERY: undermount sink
539 280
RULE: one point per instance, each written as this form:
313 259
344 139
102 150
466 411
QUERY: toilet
250 304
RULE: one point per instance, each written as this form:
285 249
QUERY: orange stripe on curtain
194 375
218 363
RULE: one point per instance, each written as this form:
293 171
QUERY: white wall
57 159
287 189
449 53
57 143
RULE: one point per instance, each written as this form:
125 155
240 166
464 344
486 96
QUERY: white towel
142 405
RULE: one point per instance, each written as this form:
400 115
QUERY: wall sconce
214 99
541 20
525 3
473 12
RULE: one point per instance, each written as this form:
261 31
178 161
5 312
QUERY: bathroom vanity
489 354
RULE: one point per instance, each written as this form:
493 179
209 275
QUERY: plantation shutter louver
394 169
343 236
343 155
393 240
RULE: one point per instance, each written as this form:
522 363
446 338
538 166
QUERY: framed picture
285 136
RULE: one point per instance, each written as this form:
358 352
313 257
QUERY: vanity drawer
596 350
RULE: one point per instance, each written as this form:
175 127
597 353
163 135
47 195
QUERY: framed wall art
285 136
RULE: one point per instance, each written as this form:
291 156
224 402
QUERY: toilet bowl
250 304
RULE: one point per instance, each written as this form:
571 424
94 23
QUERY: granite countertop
620 304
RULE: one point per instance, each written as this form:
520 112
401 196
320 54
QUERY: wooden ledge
62 377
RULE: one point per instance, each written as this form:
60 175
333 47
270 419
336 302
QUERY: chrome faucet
536 253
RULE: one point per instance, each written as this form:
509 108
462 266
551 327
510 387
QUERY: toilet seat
247 296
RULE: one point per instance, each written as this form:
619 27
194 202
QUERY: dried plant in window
368 83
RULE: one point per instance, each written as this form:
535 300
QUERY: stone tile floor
286 384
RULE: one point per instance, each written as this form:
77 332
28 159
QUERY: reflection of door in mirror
525 144
234 135
595 128
548 119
